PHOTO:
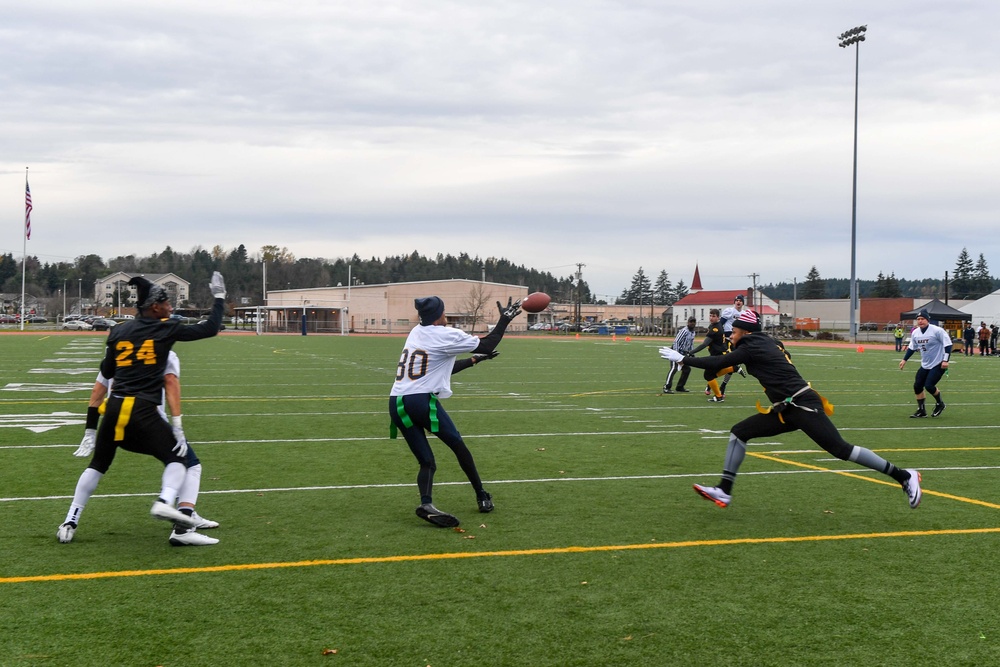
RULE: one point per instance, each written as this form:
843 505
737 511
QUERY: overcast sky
613 134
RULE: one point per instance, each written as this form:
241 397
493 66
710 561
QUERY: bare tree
475 304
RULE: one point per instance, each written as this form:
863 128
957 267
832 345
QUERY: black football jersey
136 353
765 358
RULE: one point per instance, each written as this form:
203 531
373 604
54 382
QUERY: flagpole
24 254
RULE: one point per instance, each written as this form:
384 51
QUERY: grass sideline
598 553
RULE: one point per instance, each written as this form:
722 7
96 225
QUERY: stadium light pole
854 36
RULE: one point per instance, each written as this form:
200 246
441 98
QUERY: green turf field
599 552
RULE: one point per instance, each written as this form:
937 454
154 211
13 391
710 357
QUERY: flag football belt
780 406
407 422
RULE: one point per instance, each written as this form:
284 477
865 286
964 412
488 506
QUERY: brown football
535 302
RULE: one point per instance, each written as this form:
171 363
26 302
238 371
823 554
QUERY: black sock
920 404
187 511
938 399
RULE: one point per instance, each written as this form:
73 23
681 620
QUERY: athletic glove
217 286
670 354
486 356
86 447
181 448
512 310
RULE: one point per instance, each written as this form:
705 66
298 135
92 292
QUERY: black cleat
919 414
683 391
938 410
742 371
485 503
668 390
431 514
717 399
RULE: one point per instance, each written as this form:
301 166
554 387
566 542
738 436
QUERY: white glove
217 286
670 354
181 448
86 447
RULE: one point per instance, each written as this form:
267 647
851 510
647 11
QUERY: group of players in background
140 373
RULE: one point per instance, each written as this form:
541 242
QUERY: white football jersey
729 316
930 343
173 368
428 359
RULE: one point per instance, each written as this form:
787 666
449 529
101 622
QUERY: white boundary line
543 480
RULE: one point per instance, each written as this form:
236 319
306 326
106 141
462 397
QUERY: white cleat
912 488
713 493
165 512
66 532
191 538
203 522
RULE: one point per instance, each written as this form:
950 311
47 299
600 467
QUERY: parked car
77 325
590 328
103 324
36 319
7 319
540 326
868 326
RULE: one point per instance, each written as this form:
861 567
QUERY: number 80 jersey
428 359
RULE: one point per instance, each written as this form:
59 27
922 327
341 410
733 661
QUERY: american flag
27 210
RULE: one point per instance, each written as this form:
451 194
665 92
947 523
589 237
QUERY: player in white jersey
423 376
934 344
726 319
188 494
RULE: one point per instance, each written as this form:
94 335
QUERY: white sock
173 479
85 488
191 486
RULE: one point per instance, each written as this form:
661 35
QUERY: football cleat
668 390
431 514
713 493
683 391
912 488
717 399
203 522
165 512
938 409
190 538
485 503
66 532
708 392
919 414
742 371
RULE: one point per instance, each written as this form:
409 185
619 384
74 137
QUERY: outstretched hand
512 310
670 354
485 356
217 286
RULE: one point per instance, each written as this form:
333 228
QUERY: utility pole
753 301
579 291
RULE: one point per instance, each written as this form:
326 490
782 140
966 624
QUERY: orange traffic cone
861 348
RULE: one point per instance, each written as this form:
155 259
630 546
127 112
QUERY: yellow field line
495 554
939 494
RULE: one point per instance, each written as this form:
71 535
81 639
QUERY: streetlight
854 36
79 295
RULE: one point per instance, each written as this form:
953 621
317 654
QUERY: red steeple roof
696 281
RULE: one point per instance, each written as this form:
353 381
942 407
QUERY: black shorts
135 425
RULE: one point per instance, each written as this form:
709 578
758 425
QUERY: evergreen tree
680 291
962 283
663 290
982 282
640 291
814 286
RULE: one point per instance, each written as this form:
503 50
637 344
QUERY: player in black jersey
794 406
716 342
135 358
